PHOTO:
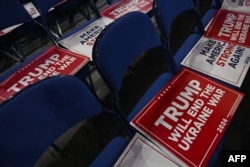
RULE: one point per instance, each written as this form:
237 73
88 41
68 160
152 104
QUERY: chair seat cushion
208 16
185 48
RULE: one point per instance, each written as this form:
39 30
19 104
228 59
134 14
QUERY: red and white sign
237 5
52 62
9 29
83 41
225 61
188 117
121 8
31 9
230 26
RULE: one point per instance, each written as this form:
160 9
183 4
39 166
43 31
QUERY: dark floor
79 151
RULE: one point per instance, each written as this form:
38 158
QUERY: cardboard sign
9 29
188 117
140 152
225 61
31 9
82 41
117 10
230 26
237 5
52 62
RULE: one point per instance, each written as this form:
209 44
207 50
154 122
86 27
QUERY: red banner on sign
52 62
230 26
189 116
121 8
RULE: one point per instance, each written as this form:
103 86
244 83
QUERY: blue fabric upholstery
185 48
208 16
119 45
166 12
15 12
36 116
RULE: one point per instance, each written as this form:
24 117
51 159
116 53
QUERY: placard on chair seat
188 117
53 61
121 8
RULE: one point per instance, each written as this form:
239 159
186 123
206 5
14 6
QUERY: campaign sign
141 152
236 5
126 6
189 116
9 29
52 62
83 41
230 26
31 9
225 61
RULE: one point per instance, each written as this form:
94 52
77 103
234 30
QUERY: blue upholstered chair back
12 13
170 9
33 119
120 43
167 11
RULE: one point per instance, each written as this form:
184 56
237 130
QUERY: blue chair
170 16
33 119
116 49
11 41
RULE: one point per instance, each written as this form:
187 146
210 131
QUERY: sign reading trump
121 8
188 117
52 62
230 26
